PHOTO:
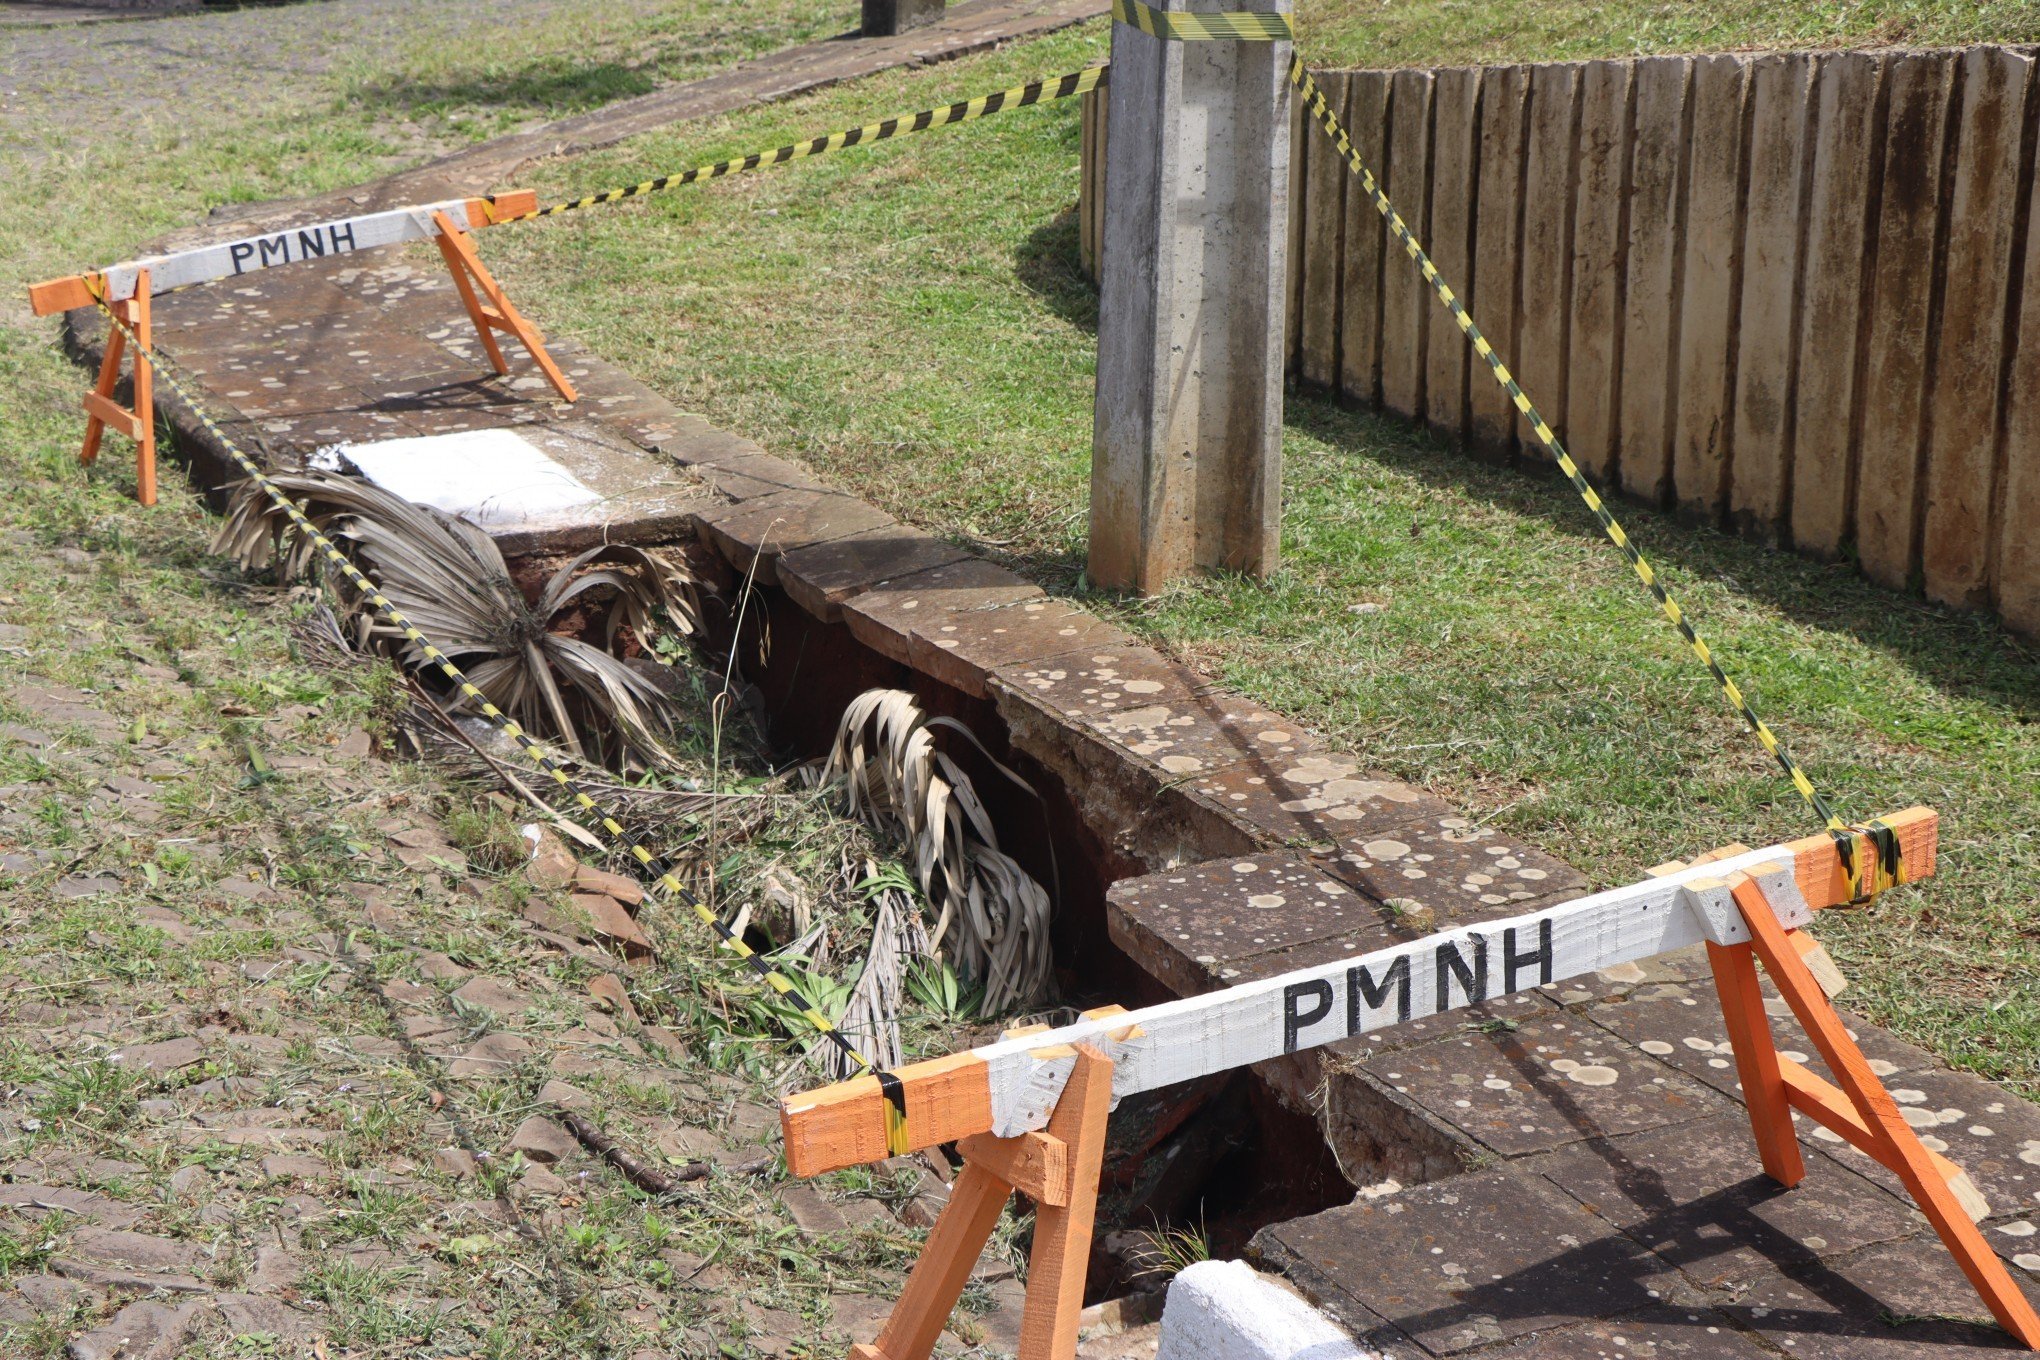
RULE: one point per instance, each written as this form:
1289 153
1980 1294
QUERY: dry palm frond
472 749
448 578
992 917
871 1016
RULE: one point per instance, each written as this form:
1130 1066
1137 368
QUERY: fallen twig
645 1178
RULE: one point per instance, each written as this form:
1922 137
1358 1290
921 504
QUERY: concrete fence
1784 293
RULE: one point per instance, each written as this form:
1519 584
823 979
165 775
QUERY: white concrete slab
1227 1310
496 479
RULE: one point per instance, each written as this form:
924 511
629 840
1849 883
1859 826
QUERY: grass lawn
910 319
1447 32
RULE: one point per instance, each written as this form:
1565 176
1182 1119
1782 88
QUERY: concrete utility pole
1186 465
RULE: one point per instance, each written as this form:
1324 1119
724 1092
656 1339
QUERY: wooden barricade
138 421
126 290
1027 1113
1056 1167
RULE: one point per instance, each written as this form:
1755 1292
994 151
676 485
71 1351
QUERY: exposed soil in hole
1214 1161
1208 1162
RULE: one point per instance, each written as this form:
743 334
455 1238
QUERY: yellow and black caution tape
1190 26
662 874
964 111
1866 880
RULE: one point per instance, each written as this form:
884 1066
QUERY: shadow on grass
1964 655
1049 265
547 87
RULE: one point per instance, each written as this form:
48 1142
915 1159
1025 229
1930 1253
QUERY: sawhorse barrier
1029 1113
127 290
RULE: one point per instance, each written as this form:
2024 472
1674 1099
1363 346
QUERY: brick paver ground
286 1044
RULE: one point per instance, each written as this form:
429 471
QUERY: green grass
1455 32
282 102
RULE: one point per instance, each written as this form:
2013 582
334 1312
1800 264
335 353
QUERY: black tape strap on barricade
895 1092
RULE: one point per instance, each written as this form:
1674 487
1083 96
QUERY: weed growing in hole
367 1308
467 1250
1170 1251
379 1211
476 1021
24 1248
369 1130
589 1243
658 1234
488 835
493 1175
935 985
56 818
343 1283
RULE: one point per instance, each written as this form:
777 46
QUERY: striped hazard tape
662 876
964 111
1867 880
1192 26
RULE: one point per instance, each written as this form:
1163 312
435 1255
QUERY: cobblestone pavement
34 14
287 1034
287 1038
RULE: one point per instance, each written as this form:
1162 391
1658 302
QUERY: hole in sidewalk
1192 1170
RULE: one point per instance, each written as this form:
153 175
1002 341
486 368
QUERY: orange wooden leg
1896 1145
1062 1233
145 394
1827 1105
510 319
109 378
1756 1062
499 313
1061 1167
452 242
975 1203
101 410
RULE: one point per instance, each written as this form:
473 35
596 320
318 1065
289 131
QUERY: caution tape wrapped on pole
1204 26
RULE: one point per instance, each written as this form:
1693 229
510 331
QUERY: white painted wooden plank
1196 1036
180 269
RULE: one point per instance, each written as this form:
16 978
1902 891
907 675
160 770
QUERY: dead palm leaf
449 579
991 915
